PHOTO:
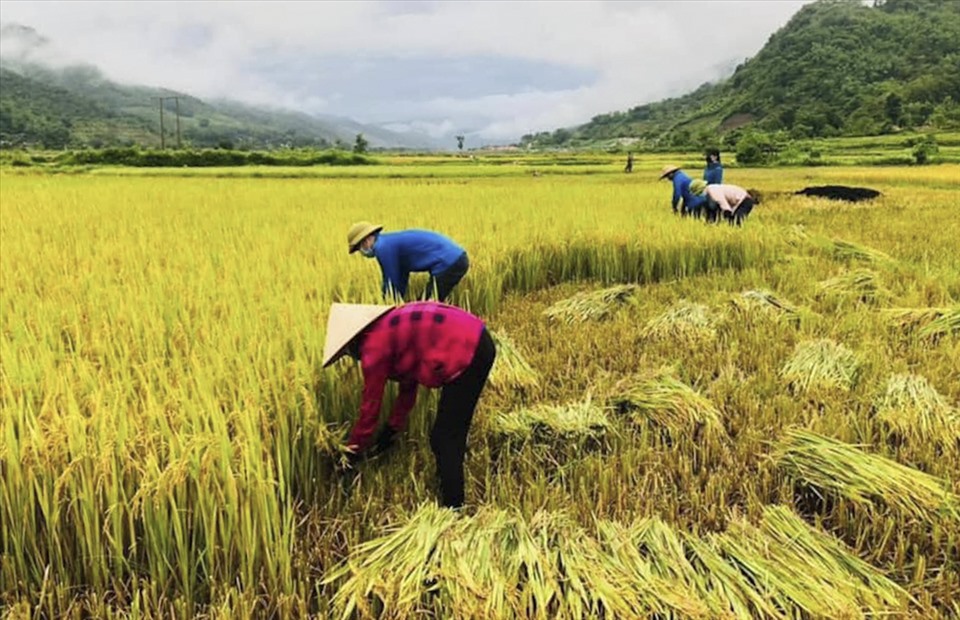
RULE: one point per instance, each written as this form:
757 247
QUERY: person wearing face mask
403 252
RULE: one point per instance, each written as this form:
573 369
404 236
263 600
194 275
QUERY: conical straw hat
344 323
667 170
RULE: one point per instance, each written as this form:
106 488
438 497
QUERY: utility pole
178 121
162 137
162 145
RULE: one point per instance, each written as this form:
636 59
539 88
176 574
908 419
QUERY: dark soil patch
840 192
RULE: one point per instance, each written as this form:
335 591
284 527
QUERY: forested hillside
838 67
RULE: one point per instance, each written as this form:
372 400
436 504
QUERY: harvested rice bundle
689 565
391 575
833 466
821 364
662 592
803 572
864 284
912 409
592 305
685 321
797 235
947 323
491 565
479 568
787 528
661 399
767 302
847 250
583 420
914 318
587 585
724 587
510 369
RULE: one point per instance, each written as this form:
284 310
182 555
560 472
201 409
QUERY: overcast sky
493 70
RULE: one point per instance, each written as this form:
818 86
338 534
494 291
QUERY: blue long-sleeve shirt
713 173
681 189
400 253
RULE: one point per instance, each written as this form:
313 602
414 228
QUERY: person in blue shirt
405 251
692 204
713 173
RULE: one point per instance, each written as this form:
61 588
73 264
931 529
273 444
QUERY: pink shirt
728 197
422 343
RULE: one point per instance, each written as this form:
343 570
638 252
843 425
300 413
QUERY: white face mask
368 252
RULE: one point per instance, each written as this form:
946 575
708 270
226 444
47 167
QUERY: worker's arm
374 382
406 399
676 193
394 279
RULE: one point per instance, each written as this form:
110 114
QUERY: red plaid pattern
423 343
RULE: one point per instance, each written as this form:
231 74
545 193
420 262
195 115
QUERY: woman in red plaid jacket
423 343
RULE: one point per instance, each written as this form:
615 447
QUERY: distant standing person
691 203
713 173
405 251
629 166
731 202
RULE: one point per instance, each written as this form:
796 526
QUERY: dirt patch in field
840 192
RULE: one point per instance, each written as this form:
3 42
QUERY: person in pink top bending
423 343
731 202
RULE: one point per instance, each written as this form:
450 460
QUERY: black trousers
440 285
448 438
741 212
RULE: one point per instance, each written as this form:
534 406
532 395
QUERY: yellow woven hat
697 186
667 170
343 325
360 231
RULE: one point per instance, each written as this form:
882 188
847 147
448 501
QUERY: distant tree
925 148
360 144
894 108
460 140
756 149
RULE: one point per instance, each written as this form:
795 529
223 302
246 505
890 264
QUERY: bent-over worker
681 191
405 251
421 343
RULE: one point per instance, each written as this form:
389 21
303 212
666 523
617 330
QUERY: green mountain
43 105
838 67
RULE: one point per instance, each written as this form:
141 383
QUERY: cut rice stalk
663 400
821 363
662 592
685 321
592 305
765 301
912 409
914 318
802 571
584 420
947 323
847 250
845 470
864 284
510 369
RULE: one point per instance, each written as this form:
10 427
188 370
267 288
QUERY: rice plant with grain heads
681 421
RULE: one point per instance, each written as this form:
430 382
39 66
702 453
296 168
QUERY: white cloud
638 51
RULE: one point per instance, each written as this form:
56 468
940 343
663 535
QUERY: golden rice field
684 421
